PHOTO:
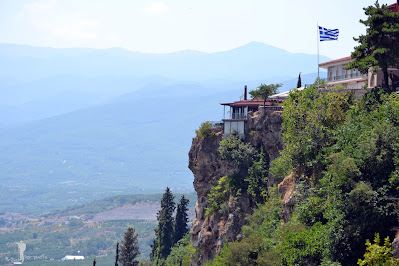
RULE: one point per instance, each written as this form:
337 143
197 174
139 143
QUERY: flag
328 35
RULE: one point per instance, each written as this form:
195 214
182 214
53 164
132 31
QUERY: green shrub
237 153
377 255
219 194
205 130
182 252
304 246
258 178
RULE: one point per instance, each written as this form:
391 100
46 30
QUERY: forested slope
338 177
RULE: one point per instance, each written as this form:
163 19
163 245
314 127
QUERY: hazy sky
172 25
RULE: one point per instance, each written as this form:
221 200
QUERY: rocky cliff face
208 234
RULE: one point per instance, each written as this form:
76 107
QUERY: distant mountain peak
259 46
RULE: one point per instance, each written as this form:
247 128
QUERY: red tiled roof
335 61
394 7
251 103
245 102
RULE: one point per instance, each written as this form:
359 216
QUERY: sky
172 25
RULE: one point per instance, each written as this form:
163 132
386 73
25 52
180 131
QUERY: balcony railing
238 116
346 76
217 124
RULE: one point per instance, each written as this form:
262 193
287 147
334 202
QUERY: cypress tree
117 254
129 248
154 247
299 83
164 233
181 228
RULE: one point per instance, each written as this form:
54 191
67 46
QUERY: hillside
93 229
315 184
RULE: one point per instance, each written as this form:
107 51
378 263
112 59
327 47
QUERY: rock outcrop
286 189
208 233
395 246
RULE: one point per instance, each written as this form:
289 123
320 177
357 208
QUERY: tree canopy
343 158
129 248
379 47
164 233
181 222
264 91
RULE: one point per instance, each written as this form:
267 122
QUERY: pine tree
181 219
129 248
379 47
164 233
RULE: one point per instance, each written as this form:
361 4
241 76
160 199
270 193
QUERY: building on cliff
353 79
238 112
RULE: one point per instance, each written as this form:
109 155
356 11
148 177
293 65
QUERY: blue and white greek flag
328 35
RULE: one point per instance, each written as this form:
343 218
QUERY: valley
91 230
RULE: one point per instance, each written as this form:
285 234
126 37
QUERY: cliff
208 233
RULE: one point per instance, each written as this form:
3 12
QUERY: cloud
46 15
156 8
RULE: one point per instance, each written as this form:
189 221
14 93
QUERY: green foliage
310 118
379 47
182 253
304 246
281 167
258 245
54 240
320 83
265 220
75 223
258 177
237 153
339 87
240 253
264 91
181 220
205 130
344 158
219 194
129 248
377 255
164 233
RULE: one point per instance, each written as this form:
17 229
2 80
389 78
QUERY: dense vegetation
58 240
344 157
59 233
379 47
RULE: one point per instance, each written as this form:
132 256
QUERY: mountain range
82 124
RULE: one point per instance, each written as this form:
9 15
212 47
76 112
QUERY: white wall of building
234 127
